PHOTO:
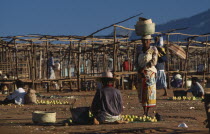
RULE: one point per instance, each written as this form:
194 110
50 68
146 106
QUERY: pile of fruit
52 102
133 118
21 105
187 98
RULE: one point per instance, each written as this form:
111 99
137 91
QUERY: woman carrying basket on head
147 59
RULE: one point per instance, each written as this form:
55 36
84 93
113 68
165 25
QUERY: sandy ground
18 119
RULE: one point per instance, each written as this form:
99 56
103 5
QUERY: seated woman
196 89
17 97
107 103
176 81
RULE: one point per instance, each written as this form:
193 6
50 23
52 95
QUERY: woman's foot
121 122
165 94
95 121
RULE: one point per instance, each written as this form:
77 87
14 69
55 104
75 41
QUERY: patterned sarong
147 89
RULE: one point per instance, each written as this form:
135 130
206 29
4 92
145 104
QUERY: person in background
147 59
17 97
110 64
127 66
162 58
176 81
0 79
57 71
51 64
196 89
3 87
107 103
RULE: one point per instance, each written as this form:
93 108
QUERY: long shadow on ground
144 130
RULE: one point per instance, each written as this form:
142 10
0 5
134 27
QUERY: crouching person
196 89
17 97
30 97
107 103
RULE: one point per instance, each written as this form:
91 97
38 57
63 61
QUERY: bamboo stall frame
75 51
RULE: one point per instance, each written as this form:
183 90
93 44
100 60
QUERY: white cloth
18 95
52 74
105 117
151 55
57 66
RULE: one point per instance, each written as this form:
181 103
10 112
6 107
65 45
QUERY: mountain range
197 24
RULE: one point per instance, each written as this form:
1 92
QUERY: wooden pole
40 65
16 59
61 64
205 61
69 66
208 63
48 85
29 64
33 64
104 60
207 109
114 55
47 56
78 70
92 57
167 63
186 62
1 52
114 51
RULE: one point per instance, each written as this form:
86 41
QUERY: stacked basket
144 27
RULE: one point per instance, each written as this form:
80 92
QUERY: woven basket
179 51
145 29
43 117
181 93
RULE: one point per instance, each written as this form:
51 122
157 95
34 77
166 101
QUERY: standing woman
147 59
162 58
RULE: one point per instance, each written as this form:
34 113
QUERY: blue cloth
51 62
110 64
160 42
160 66
108 100
176 83
161 80
150 80
18 95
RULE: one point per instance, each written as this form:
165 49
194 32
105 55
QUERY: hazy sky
82 17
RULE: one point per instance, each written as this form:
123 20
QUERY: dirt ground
18 119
